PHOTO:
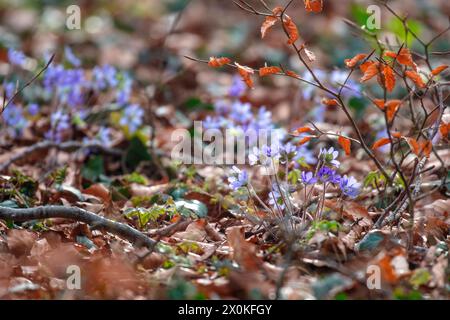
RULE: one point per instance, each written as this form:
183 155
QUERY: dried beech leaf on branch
416 78
330 102
305 140
270 21
350 63
388 78
345 144
404 57
291 30
303 130
381 142
444 129
291 73
265 71
370 70
245 73
314 5
309 54
417 148
218 62
438 70
391 108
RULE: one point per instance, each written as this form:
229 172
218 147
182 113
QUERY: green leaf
136 153
396 26
189 208
93 169
370 241
420 277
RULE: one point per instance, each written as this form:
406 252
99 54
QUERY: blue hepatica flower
237 88
241 112
238 179
13 117
71 57
132 118
105 76
33 109
326 174
308 177
287 152
329 156
60 122
16 57
277 196
349 186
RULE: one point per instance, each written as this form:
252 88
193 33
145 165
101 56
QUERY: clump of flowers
69 89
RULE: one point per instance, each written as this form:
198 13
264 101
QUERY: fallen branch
73 213
64 146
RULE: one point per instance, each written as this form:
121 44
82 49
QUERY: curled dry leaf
404 57
444 129
388 78
370 70
245 73
350 63
292 74
291 30
345 143
314 5
381 142
304 140
218 62
416 78
265 71
438 70
100 191
270 21
330 102
391 108
303 130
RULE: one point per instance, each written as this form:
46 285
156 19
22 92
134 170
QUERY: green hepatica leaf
330 284
191 207
137 152
370 241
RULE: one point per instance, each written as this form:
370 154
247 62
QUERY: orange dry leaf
330 102
370 69
404 57
444 129
380 103
350 63
291 29
313 5
414 145
426 147
269 70
415 77
303 130
218 62
291 73
380 142
345 144
305 140
270 21
438 70
391 108
245 73
389 78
